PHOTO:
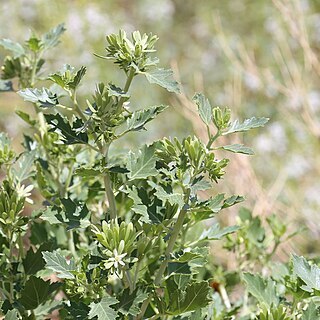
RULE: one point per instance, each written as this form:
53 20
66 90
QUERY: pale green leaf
12 315
22 169
311 313
57 263
16 48
102 309
51 38
248 124
263 290
204 108
163 78
309 274
215 233
5 85
43 97
142 164
238 148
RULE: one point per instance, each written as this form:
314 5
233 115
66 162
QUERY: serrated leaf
12 315
200 185
140 118
309 274
102 309
263 290
34 293
5 85
311 313
57 263
231 201
42 97
22 169
129 303
15 47
78 77
193 298
248 124
238 148
204 108
163 78
216 203
215 233
70 134
51 38
142 164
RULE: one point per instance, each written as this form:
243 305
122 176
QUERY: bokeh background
261 58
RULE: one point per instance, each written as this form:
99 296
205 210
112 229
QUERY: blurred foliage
257 57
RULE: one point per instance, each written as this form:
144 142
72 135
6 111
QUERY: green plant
115 234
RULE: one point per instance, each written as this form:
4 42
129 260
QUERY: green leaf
78 77
5 85
57 263
129 303
311 312
248 124
163 78
309 274
263 291
140 118
70 134
16 48
238 148
204 108
12 315
22 169
193 298
138 207
51 39
231 201
26 117
102 309
142 164
42 97
215 233
34 293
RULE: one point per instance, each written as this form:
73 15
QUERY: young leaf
140 118
204 108
16 48
22 169
34 293
51 38
129 303
12 315
42 97
5 85
57 263
102 309
238 148
163 78
215 233
310 275
194 297
71 135
311 312
263 291
248 124
142 164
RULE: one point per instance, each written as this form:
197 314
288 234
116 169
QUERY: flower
115 260
24 192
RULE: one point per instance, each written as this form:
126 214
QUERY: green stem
128 277
71 244
213 138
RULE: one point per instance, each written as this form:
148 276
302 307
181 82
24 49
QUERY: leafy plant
114 234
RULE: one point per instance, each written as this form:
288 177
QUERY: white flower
25 191
115 260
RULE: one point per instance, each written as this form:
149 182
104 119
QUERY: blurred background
260 58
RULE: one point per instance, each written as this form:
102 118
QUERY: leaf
12 315
26 117
142 164
215 233
22 169
204 108
102 309
238 148
16 48
263 291
310 275
57 263
311 313
194 297
70 134
140 118
34 262
78 77
5 85
34 293
231 201
163 78
42 97
51 38
138 207
129 303
248 124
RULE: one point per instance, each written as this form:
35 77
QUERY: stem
213 138
71 244
128 277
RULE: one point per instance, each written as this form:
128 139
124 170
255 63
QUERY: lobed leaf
5 85
248 124
15 47
42 97
238 148
102 309
204 108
